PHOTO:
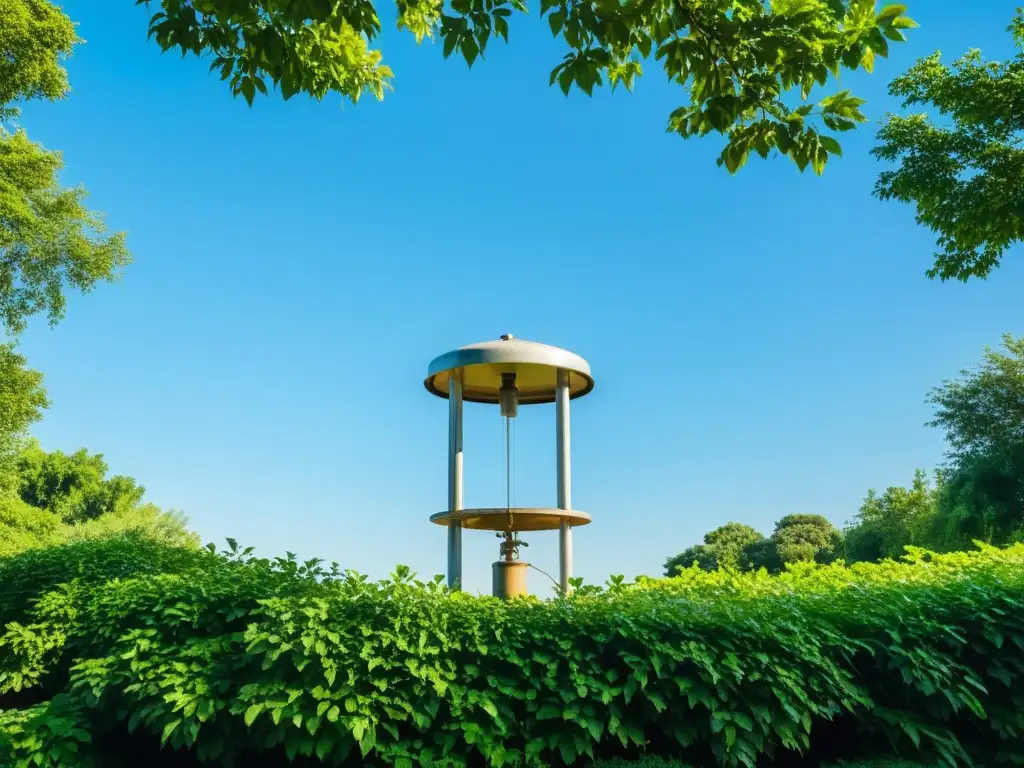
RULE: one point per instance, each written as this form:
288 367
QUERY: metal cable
508 473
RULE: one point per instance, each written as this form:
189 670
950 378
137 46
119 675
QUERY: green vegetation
122 640
49 240
963 174
122 637
977 496
749 69
22 401
660 762
56 498
227 656
722 548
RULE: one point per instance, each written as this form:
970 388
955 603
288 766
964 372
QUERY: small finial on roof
507 337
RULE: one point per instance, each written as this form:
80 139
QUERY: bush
660 762
226 655
643 762
23 526
89 563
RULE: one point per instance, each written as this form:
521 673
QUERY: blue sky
762 344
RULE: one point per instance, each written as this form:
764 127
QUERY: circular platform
535 365
524 519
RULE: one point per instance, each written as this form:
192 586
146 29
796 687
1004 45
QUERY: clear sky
762 344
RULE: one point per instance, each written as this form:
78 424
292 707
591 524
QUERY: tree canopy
59 497
983 410
722 548
887 524
796 539
982 414
747 68
22 401
963 167
74 487
49 241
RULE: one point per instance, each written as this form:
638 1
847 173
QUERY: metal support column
564 477
455 478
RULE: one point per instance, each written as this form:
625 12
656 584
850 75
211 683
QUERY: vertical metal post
455 478
564 476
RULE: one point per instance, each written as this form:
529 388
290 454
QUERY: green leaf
831 145
470 49
169 729
450 41
555 21
252 713
247 89
891 11
867 59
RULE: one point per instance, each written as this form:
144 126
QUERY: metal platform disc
523 519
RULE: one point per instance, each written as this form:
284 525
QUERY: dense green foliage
964 172
35 36
796 539
56 497
226 655
722 548
982 501
982 415
660 762
22 400
734 546
74 487
49 240
748 68
983 410
887 524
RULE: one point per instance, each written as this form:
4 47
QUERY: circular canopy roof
535 366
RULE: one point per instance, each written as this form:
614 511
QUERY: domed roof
534 364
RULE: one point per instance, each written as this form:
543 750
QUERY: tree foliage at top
722 548
49 241
747 67
34 37
964 172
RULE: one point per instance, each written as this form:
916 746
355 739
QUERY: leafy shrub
224 655
643 762
23 526
90 562
660 762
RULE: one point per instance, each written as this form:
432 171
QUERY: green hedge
660 762
226 656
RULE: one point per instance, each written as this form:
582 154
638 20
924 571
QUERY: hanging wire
504 454
513 452
508 473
